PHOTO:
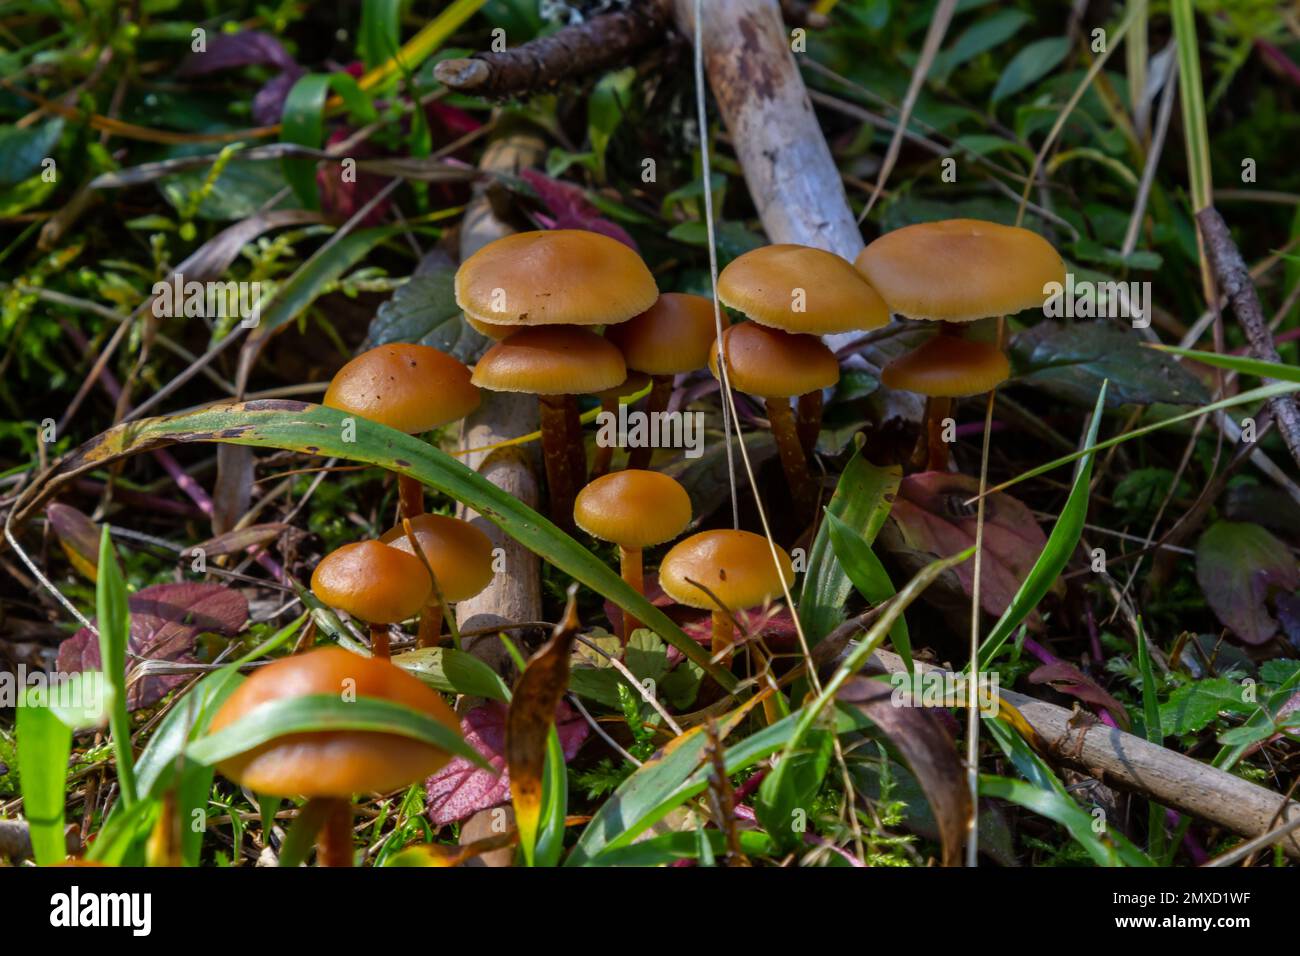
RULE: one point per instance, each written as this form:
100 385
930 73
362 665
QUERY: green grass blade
44 743
1191 95
303 122
113 620
555 804
869 576
1154 734
1060 545
1279 371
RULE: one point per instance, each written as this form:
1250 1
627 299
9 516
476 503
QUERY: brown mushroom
460 557
373 583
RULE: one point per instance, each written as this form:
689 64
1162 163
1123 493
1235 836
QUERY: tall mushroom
731 568
953 272
775 365
555 363
328 767
804 290
374 583
634 509
412 388
671 337
460 556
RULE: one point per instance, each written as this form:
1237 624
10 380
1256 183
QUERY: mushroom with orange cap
953 272
774 366
671 337
634 509
804 290
734 569
460 557
374 583
412 388
328 767
555 363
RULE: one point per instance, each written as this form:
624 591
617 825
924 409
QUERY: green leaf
44 743
1060 545
1238 363
315 713
1196 705
793 789
317 430
862 500
979 38
1152 728
555 804
113 620
303 122
380 33
1030 65
424 310
23 150
453 672
869 577
606 107
1239 565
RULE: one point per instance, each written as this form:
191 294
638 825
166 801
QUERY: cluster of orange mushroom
577 313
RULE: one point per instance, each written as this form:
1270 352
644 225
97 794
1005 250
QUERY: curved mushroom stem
802 488
379 641
629 563
809 421
410 493
723 635
655 402
430 631
936 410
604 453
334 845
557 438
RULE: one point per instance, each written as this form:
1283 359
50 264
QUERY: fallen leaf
460 789
165 620
78 537
570 209
1241 569
930 518
1068 679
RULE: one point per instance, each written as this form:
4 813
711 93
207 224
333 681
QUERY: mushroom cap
555 277
554 360
763 284
672 336
495 332
735 565
408 387
372 582
633 508
335 763
948 366
459 553
770 363
959 270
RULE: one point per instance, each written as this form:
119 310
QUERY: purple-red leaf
228 51
1241 568
165 620
78 536
569 208
1068 679
461 789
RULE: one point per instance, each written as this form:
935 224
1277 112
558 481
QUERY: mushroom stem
410 493
557 437
655 402
430 631
723 635
795 465
936 410
809 420
334 845
604 453
629 562
379 641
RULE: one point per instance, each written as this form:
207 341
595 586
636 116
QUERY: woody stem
334 845
793 461
411 495
936 410
430 630
655 402
809 421
379 641
629 562
604 453
561 480
723 635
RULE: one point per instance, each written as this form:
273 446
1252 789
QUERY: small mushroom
774 366
555 363
460 556
412 388
373 583
328 767
670 338
805 290
953 272
634 509
735 567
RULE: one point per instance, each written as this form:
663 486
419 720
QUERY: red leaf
1241 567
227 51
931 516
570 209
460 789
340 200
1068 679
165 620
